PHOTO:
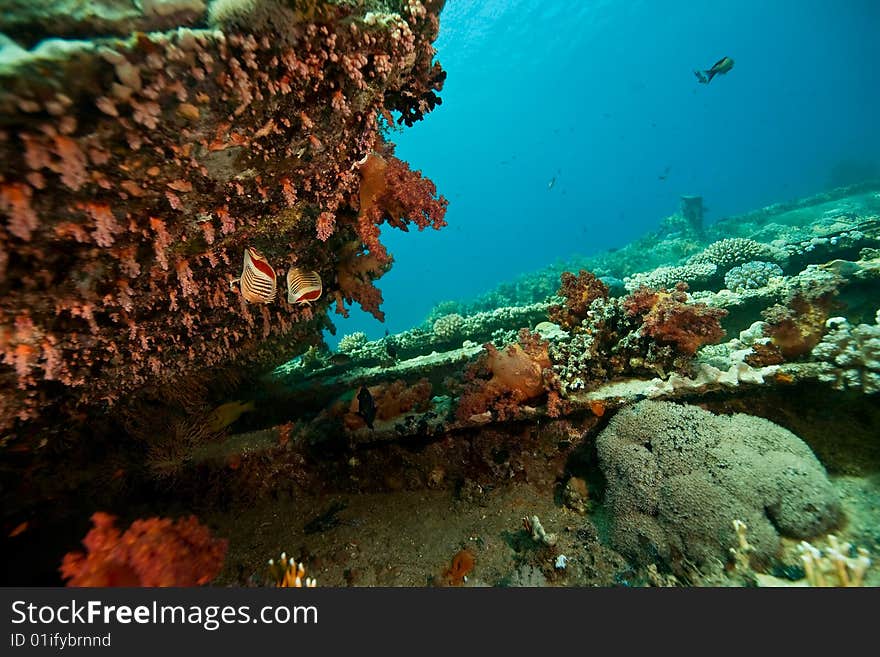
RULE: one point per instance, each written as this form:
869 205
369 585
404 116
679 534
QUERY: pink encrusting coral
135 175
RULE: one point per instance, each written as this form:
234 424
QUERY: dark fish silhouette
720 67
340 359
391 350
366 406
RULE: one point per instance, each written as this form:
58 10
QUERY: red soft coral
669 319
354 278
391 191
152 552
798 326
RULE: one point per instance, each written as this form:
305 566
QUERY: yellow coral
287 573
833 566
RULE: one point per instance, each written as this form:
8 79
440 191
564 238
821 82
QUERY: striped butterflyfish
303 286
257 282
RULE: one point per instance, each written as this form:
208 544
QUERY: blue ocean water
599 98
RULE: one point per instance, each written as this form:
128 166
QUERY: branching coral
152 552
448 327
734 251
695 275
850 355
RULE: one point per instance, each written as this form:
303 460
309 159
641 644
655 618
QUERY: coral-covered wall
136 170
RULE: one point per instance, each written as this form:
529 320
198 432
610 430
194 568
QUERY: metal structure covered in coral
138 165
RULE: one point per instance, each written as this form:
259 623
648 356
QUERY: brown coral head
579 292
763 355
798 326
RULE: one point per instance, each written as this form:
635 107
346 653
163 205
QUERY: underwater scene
414 293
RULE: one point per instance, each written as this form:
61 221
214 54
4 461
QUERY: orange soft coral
669 319
516 376
462 565
152 552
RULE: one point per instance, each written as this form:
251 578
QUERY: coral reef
678 476
287 573
152 552
352 342
797 325
448 327
138 167
850 355
834 566
390 191
457 573
649 331
668 319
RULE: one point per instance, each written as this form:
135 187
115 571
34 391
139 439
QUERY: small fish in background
720 67
366 406
551 183
225 414
665 174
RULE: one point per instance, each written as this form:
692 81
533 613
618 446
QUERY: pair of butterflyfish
258 282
